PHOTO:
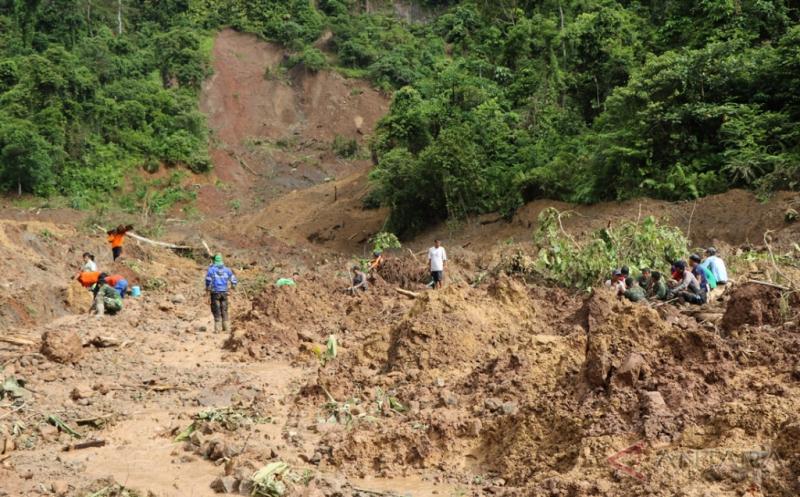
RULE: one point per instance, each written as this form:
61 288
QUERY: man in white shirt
438 259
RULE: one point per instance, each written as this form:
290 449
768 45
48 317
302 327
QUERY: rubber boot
100 306
217 326
226 326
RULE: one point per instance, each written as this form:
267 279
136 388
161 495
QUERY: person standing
218 279
116 237
437 256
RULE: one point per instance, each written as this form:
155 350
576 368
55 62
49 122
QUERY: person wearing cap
713 263
218 279
633 291
106 299
688 288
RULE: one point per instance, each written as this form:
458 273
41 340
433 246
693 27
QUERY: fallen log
772 285
160 244
407 293
85 445
103 342
152 242
17 341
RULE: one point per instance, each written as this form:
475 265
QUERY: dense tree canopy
493 103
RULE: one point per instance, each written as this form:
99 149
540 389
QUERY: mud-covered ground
499 388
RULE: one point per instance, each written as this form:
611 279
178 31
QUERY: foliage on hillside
82 103
591 100
494 102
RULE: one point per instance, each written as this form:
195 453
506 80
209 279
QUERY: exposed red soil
272 131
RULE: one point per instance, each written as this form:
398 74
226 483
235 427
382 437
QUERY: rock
216 449
245 487
8 445
654 404
197 438
201 329
598 362
60 488
62 346
633 368
439 382
81 392
509 408
492 403
48 431
225 485
178 298
449 399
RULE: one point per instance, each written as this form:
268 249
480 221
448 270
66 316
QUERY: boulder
632 369
63 346
225 485
653 404
81 392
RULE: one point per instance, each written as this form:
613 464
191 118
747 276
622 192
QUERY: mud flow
491 386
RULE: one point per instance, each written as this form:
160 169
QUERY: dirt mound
282 319
63 346
616 329
757 305
458 327
405 272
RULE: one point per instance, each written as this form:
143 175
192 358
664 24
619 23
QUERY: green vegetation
494 103
85 96
591 100
583 264
344 148
384 240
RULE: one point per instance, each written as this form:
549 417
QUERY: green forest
493 103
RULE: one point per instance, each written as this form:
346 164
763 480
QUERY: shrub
582 264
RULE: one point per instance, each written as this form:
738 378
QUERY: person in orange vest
117 282
116 237
88 278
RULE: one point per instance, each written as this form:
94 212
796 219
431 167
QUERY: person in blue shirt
713 263
218 279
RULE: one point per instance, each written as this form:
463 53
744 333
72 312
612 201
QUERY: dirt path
162 347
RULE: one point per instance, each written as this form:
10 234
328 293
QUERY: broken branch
407 293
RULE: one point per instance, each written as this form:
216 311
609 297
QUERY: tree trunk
119 17
19 187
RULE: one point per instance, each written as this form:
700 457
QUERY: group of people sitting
690 282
